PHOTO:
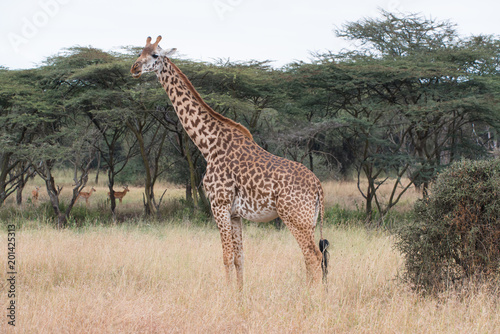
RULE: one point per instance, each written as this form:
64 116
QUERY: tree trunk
369 205
24 174
98 167
192 171
61 221
189 192
4 172
311 161
370 191
54 197
149 208
148 186
310 146
202 195
111 179
19 192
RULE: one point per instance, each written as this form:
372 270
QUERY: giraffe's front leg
223 219
238 249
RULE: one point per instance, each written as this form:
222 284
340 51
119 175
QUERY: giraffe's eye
154 55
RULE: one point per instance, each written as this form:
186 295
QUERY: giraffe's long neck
202 124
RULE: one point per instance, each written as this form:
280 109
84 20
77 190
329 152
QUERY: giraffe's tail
323 247
323 243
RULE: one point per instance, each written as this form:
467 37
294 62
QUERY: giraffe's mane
223 119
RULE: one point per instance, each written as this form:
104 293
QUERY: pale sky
283 31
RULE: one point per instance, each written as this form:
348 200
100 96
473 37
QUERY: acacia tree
151 138
410 101
74 147
116 147
307 124
19 104
50 136
94 84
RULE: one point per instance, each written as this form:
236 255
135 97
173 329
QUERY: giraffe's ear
168 52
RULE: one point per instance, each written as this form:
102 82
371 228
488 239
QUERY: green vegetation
455 236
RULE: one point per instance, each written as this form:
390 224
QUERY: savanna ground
150 277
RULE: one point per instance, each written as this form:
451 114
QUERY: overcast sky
283 31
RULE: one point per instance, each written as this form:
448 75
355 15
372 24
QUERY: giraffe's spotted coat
242 180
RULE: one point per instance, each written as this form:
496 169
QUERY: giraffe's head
151 58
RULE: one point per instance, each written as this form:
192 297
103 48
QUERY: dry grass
169 279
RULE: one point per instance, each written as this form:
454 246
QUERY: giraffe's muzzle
136 70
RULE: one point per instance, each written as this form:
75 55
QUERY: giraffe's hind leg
237 228
304 234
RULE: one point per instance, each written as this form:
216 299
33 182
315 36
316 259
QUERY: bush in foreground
455 235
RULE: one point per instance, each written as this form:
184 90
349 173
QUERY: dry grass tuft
169 279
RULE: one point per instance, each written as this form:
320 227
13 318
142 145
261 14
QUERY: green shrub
455 234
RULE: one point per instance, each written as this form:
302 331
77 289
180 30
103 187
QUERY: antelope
86 195
119 194
34 194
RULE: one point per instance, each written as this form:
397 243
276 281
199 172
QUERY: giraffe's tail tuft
323 247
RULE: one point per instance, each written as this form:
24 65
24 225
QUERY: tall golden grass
170 279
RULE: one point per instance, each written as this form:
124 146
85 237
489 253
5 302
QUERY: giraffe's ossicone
242 180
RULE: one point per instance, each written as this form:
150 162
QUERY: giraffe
242 180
